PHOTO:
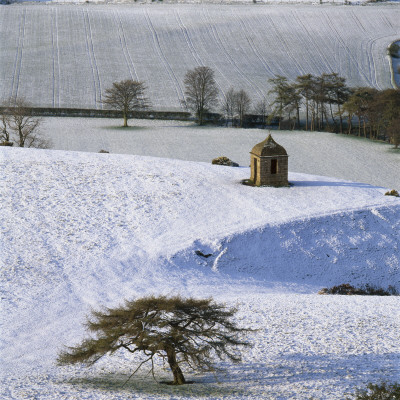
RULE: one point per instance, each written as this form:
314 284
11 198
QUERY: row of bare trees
202 97
327 101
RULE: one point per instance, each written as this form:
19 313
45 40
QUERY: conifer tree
188 332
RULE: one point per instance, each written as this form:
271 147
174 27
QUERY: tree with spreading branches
126 96
190 332
201 91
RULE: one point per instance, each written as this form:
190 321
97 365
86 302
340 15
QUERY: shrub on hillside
383 391
392 193
367 290
224 161
394 50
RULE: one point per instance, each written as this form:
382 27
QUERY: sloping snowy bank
81 230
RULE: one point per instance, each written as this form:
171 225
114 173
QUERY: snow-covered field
81 230
67 55
319 153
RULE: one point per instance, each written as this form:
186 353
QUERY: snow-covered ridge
79 209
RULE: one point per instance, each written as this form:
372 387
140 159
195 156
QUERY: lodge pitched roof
268 148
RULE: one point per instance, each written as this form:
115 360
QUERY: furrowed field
66 55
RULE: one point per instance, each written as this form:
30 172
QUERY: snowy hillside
67 55
81 230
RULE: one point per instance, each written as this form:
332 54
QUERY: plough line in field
122 39
92 58
163 58
188 40
314 42
18 57
221 45
351 57
56 59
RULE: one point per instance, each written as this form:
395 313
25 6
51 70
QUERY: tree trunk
179 379
125 120
350 117
307 115
341 119
21 137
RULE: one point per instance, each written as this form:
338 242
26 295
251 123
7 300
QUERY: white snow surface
316 153
81 230
57 55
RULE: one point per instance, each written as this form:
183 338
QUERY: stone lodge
269 164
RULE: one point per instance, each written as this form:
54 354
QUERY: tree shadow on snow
206 387
247 379
124 128
297 367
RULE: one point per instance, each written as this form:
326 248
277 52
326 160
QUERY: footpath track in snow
68 54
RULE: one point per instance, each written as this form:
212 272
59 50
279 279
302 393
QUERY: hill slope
81 230
67 55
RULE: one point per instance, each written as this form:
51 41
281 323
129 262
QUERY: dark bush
383 391
392 193
224 161
394 49
367 290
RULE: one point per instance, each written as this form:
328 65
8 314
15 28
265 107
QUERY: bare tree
242 105
180 331
126 96
236 105
201 92
19 126
5 133
228 105
261 109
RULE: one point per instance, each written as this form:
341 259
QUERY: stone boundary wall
92 113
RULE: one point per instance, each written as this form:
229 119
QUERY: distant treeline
330 104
